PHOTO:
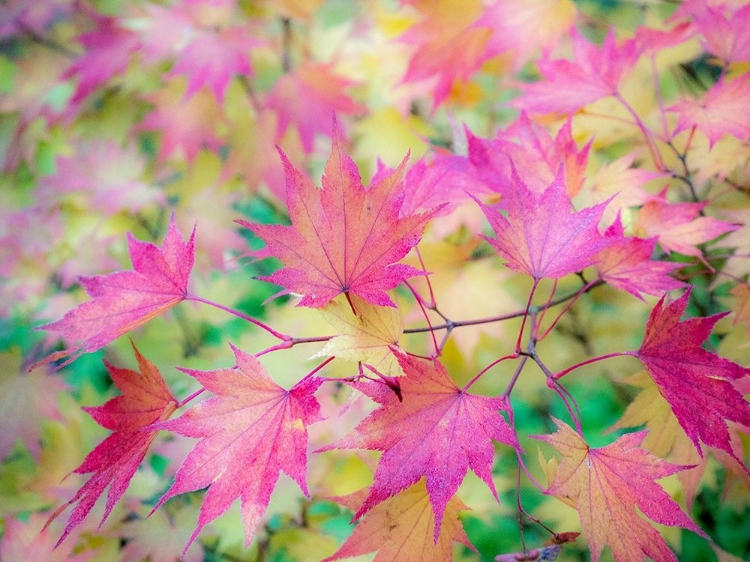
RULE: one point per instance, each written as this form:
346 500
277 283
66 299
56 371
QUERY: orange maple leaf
606 484
401 528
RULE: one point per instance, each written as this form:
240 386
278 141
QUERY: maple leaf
694 381
678 226
448 47
535 155
627 265
401 528
30 540
541 236
211 59
250 431
26 400
344 238
307 97
666 439
371 336
184 122
606 484
722 110
145 399
108 52
124 300
109 174
741 293
438 431
724 29
596 72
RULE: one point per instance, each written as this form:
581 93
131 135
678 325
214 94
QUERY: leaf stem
487 368
239 314
561 374
184 401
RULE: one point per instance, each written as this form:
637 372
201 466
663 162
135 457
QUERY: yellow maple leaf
367 337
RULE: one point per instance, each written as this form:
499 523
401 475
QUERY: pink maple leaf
187 123
108 50
697 384
250 431
145 399
534 154
307 97
678 226
211 59
343 238
724 30
722 110
627 264
438 431
108 173
542 236
124 300
26 400
567 86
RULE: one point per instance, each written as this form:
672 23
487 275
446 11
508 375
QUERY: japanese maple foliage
145 399
454 197
432 429
606 484
344 238
125 300
696 383
250 431
542 236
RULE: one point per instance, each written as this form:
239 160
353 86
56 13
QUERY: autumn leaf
26 401
124 300
186 123
533 152
741 293
401 528
541 235
250 431
108 50
367 337
606 484
307 97
439 431
343 238
665 438
567 86
213 58
678 226
722 110
145 399
696 383
627 264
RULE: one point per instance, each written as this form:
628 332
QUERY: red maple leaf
343 238
627 265
145 399
694 381
250 431
606 484
438 432
124 300
541 236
